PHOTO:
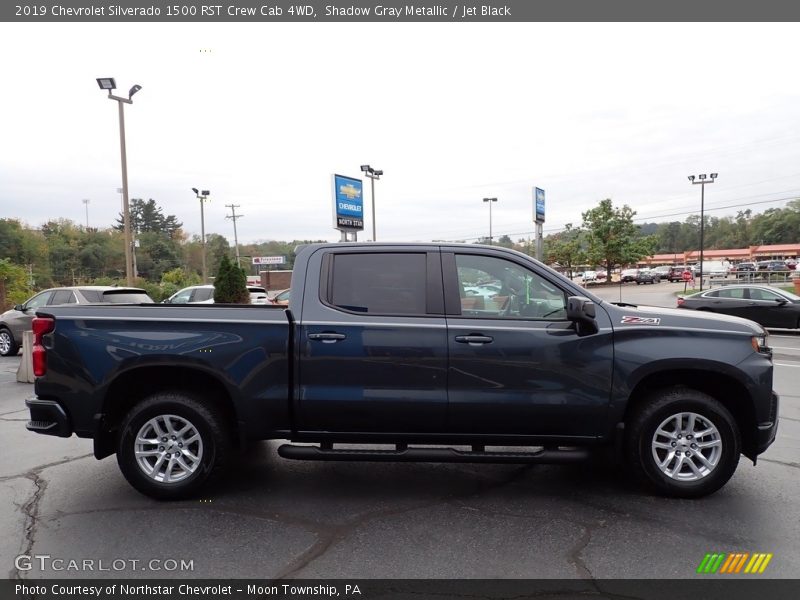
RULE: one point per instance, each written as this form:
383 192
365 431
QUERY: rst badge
630 320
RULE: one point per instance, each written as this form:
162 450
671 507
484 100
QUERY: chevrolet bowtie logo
350 191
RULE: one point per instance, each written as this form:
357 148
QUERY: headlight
760 343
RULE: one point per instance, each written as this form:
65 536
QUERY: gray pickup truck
406 348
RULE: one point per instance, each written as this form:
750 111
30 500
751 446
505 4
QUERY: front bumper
767 430
48 417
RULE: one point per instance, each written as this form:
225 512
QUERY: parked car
282 298
204 294
743 268
13 322
629 275
258 295
676 272
662 272
768 306
646 276
771 265
376 348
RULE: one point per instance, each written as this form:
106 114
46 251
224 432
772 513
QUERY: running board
405 454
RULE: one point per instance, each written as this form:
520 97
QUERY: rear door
372 341
517 365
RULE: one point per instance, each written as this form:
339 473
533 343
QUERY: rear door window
63 297
380 283
203 294
91 295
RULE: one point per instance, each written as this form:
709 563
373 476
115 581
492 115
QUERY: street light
108 83
490 201
372 174
702 181
202 196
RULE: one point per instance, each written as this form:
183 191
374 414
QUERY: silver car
204 294
13 322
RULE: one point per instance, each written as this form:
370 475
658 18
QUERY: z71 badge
627 320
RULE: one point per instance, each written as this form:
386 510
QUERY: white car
204 294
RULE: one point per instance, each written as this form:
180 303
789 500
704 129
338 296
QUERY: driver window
182 297
495 288
38 300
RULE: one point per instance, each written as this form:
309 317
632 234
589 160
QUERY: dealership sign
348 203
538 197
269 260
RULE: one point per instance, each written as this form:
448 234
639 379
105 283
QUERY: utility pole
86 202
233 216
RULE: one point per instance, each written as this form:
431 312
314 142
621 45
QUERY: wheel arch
732 394
135 384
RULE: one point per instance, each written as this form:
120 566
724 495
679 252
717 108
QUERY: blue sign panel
538 194
348 203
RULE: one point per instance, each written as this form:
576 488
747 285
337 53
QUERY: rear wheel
683 442
8 347
171 444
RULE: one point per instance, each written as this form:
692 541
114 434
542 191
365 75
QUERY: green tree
230 285
612 238
13 284
566 248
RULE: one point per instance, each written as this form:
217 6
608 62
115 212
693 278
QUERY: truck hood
680 317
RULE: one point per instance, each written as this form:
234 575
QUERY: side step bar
405 454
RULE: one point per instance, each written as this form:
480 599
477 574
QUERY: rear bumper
767 430
48 417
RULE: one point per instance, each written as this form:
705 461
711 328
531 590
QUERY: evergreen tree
230 285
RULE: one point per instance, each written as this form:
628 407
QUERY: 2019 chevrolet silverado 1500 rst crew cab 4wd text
380 344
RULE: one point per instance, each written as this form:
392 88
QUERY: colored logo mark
734 562
350 191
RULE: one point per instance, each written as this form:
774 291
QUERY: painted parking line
786 364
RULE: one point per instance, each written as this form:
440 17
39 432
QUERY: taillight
40 326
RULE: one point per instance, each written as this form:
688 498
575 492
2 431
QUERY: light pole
86 203
490 201
108 83
702 181
373 174
202 196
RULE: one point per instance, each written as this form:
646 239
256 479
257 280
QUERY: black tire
667 404
8 347
178 408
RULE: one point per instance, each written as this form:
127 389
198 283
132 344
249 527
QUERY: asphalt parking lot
273 518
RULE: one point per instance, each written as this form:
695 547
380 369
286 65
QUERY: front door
517 365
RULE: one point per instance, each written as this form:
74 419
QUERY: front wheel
8 347
170 444
683 442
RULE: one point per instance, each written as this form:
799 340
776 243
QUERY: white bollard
25 370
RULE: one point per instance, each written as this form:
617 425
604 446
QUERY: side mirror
581 311
780 301
19 307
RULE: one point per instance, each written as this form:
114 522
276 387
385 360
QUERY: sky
261 114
